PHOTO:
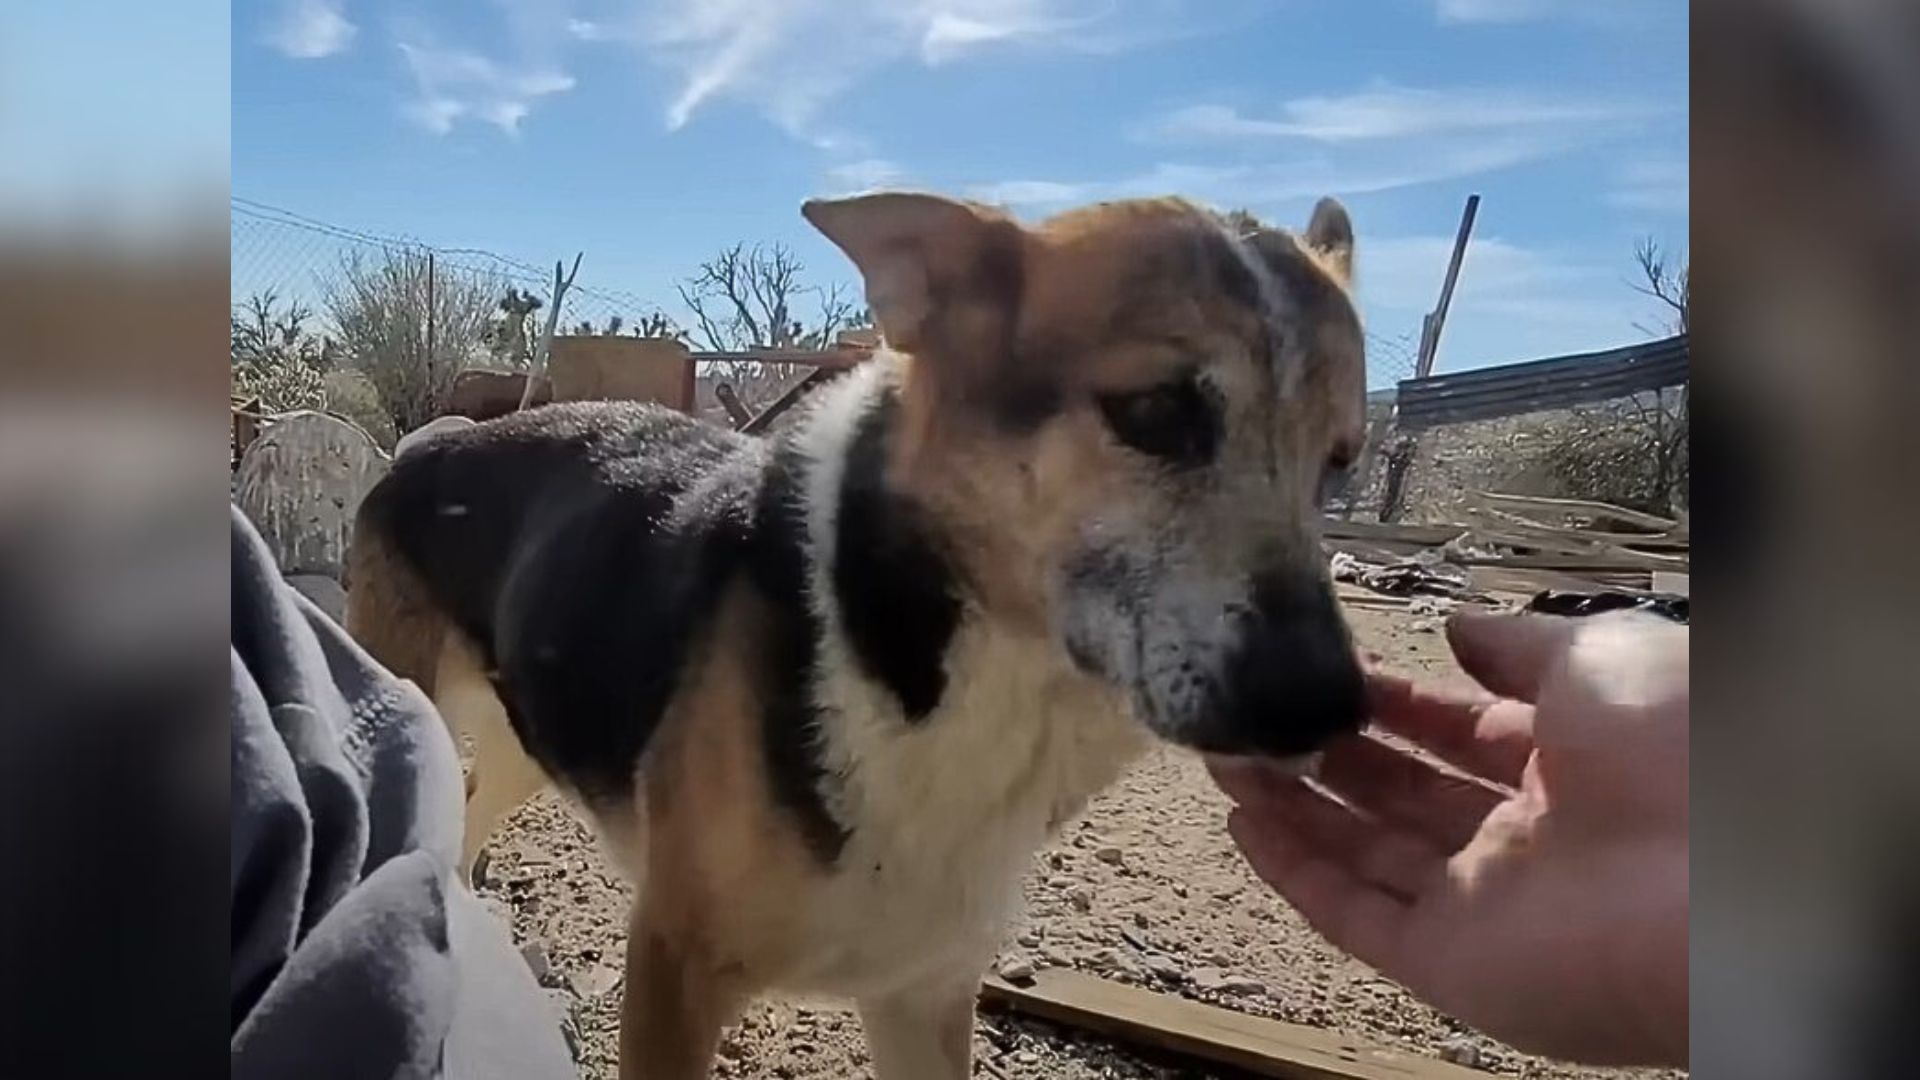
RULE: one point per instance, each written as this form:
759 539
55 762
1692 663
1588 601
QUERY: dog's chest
945 814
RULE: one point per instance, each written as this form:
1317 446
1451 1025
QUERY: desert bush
411 327
275 357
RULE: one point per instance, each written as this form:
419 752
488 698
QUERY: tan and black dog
825 695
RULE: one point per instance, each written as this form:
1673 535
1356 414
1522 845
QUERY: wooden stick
1255 1044
539 364
1584 506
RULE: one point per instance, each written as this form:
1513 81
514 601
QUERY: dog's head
1122 419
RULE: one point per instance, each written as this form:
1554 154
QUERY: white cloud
867 174
1268 183
1659 186
1497 11
1513 302
312 29
455 85
789 59
1385 111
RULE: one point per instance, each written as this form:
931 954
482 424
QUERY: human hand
1544 899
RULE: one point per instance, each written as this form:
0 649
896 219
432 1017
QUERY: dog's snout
1292 681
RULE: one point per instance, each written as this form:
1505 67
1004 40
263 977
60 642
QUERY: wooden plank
1194 1029
1428 535
730 401
789 399
1668 581
1584 506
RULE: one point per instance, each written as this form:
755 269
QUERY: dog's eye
1173 422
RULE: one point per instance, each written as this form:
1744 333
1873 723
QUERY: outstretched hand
1537 889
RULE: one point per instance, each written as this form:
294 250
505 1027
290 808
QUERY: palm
1493 887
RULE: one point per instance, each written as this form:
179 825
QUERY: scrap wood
1512 531
787 400
1255 1044
1586 508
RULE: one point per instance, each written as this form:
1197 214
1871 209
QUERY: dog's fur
825 696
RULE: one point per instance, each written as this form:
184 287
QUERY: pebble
1060 883
1018 971
1463 1052
1026 1057
1140 919
1112 856
1028 937
1081 898
1166 969
535 954
590 984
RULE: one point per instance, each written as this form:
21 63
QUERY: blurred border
1806 165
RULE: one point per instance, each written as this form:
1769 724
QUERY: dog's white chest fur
945 812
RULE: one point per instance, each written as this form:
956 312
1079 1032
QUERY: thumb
1511 655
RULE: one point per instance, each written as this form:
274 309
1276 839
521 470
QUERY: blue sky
649 133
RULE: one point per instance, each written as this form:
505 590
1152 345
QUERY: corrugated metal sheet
1539 385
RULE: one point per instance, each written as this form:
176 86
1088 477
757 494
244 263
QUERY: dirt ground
1145 889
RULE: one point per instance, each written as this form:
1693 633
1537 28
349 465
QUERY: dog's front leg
925 1033
674 1007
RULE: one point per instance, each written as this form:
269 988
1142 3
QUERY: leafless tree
1664 279
411 327
757 298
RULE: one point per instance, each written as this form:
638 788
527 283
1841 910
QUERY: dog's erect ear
1330 232
941 275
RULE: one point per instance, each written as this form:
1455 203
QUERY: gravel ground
1144 889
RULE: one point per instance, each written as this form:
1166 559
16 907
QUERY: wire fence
299 260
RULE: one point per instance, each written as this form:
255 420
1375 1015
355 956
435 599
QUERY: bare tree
1664 279
411 327
1636 452
757 298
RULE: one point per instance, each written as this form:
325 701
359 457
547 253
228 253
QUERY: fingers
1510 655
1353 913
1402 790
1487 737
1401 862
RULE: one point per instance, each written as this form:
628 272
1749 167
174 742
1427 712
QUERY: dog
825 695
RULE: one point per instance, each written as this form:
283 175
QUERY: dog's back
568 556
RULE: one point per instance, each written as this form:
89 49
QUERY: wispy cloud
1269 183
455 84
1659 186
867 174
1385 111
1498 11
789 59
312 29
1514 302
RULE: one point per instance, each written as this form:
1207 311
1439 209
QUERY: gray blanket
355 951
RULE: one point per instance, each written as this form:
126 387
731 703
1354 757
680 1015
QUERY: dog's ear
942 276
1330 232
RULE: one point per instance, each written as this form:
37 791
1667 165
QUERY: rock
1461 1051
535 954
300 483
1112 856
1081 898
1028 937
1018 971
1060 883
1140 919
1180 889
1026 1057
802 1046
1056 958
1215 979
1166 970
588 985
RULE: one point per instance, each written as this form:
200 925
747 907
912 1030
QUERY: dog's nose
1293 681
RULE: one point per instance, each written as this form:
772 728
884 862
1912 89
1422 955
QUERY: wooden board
1255 1044
1584 507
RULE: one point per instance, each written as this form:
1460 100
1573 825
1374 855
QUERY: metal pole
1430 336
433 390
